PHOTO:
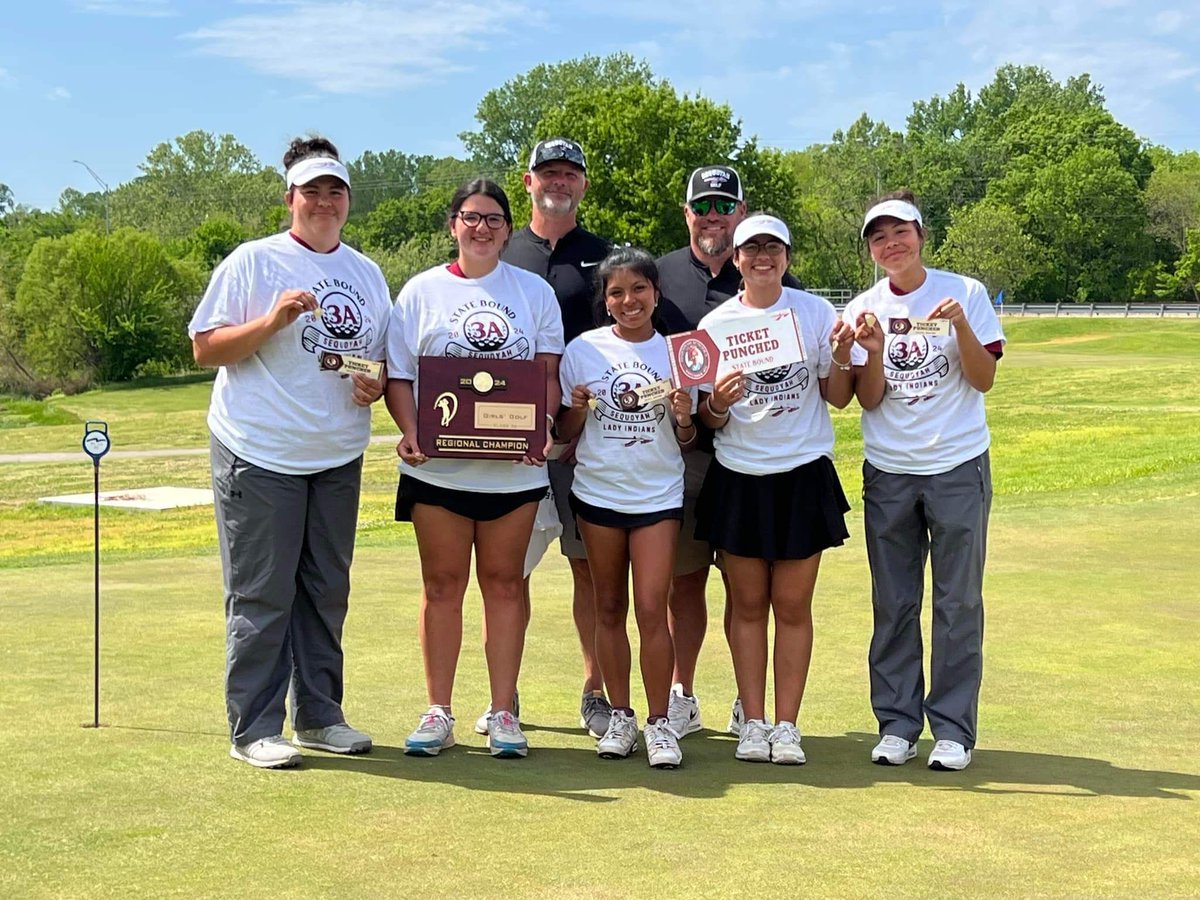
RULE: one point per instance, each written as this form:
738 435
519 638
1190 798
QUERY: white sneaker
433 735
683 712
505 738
949 755
754 745
621 737
340 738
785 745
267 753
481 722
737 718
662 745
893 751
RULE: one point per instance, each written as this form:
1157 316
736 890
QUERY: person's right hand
289 306
580 395
408 451
729 389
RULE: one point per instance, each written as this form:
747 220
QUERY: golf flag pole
95 444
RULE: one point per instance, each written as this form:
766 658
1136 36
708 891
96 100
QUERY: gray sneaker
594 713
340 738
267 753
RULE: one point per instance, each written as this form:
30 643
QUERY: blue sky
104 81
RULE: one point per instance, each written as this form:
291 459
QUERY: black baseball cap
714 181
555 149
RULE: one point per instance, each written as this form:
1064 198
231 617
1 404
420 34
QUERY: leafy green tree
1173 197
195 177
510 116
102 306
215 239
6 199
642 143
413 256
985 241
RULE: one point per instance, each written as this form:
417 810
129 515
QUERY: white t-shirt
930 419
782 421
507 314
276 408
628 458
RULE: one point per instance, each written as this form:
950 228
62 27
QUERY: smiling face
712 233
895 245
630 298
319 210
762 260
556 187
479 243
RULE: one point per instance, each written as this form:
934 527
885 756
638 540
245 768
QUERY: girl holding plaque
771 501
475 308
628 490
926 350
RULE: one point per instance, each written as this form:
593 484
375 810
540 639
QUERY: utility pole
100 182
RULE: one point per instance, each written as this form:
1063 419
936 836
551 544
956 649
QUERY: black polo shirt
570 267
688 283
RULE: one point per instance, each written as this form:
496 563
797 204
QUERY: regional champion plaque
481 408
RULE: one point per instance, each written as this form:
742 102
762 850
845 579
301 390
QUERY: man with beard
697 279
554 246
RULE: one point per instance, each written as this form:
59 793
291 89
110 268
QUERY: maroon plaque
481 408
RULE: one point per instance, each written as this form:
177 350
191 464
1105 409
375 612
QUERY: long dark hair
635 260
305 148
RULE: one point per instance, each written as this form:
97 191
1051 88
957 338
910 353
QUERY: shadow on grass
709 770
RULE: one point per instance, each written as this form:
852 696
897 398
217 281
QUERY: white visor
314 167
756 225
896 209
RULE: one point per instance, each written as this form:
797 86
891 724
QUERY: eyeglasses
724 207
752 248
472 219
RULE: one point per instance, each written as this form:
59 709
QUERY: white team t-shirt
507 314
628 458
276 408
782 421
930 419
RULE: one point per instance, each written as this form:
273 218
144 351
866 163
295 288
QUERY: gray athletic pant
286 545
909 518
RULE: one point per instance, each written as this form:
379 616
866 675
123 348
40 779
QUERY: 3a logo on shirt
485 328
915 366
342 326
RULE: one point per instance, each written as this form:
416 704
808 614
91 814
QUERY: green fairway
1082 785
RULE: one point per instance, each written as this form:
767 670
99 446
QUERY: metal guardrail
1110 310
839 298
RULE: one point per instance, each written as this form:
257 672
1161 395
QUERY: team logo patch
340 315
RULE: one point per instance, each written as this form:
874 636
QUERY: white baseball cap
314 167
756 225
896 209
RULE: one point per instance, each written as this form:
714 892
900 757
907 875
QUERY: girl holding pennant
772 502
927 346
628 490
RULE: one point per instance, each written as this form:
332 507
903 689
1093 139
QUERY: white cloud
59 93
363 46
152 9
6 78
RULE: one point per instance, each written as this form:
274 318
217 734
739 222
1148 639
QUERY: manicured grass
1083 785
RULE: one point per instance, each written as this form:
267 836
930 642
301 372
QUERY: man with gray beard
554 246
697 279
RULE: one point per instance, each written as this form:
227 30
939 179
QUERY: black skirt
786 515
611 518
477 505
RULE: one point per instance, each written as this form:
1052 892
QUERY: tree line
1030 185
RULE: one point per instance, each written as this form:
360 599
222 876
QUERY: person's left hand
533 460
366 390
951 309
